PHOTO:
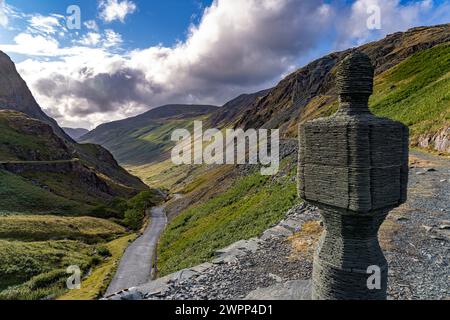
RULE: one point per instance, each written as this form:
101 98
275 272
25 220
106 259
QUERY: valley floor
415 239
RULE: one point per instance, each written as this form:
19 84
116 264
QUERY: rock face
15 95
439 142
47 145
234 108
354 167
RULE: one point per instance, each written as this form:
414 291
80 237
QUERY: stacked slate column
354 167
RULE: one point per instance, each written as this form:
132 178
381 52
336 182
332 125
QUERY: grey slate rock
291 290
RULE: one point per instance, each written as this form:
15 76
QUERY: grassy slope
29 142
15 145
148 143
144 144
249 207
21 261
36 250
40 228
18 195
417 91
159 175
34 269
95 285
78 191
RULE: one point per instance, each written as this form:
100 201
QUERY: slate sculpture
354 167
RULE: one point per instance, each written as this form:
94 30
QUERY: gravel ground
419 251
415 239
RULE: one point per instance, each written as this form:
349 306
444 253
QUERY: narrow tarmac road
136 264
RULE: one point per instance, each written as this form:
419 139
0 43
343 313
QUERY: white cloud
91 25
108 39
3 14
45 24
90 39
37 45
112 38
112 10
395 17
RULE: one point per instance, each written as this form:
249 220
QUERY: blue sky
133 55
154 21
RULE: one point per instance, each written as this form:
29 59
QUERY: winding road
136 264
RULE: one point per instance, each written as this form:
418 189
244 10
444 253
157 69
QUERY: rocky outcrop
233 108
86 177
31 139
15 95
438 142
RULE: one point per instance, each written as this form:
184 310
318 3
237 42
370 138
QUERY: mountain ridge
146 137
286 104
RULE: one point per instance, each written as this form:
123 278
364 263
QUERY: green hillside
37 167
34 266
148 143
36 250
21 261
147 137
41 228
19 195
417 91
23 138
248 207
